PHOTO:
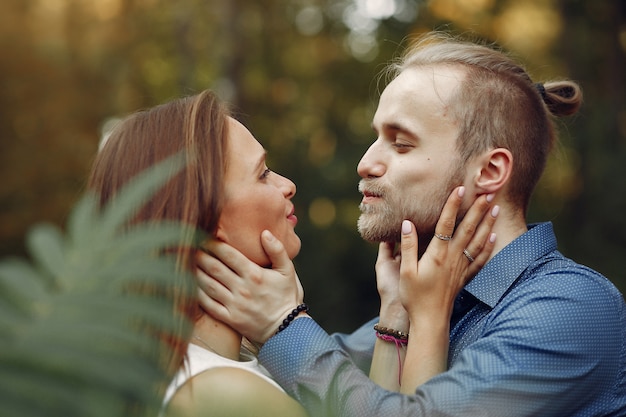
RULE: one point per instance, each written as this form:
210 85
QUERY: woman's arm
429 287
386 368
429 296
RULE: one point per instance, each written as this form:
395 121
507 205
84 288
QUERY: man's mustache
371 187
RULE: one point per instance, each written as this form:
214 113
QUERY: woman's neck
213 335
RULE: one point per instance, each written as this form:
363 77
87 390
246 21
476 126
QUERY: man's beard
382 221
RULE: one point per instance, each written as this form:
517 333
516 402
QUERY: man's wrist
286 319
301 308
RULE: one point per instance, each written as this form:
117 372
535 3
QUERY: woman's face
256 199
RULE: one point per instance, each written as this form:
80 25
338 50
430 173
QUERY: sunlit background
303 76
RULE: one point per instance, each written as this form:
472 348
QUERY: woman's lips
292 217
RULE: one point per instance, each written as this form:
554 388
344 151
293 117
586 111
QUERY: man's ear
493 170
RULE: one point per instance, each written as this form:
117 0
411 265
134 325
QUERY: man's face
413 166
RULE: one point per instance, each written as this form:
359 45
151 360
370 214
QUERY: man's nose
371 164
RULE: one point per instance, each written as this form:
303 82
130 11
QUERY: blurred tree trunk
596 229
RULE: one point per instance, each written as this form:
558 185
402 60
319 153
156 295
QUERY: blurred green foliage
303 76
77 335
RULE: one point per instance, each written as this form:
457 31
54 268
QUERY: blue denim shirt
533 334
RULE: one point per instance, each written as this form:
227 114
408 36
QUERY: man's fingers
275 251
280 260
227 255
217 309
212 283
211 270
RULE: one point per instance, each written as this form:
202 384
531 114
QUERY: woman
227 192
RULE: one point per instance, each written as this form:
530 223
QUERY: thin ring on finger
468 255
445 238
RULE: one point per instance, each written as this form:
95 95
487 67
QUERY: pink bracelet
389 338
399 343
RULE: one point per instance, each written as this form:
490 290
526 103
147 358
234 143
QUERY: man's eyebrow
395 127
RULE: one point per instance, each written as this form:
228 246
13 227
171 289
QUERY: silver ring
443 237
468 256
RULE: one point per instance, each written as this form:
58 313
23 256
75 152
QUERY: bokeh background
303 76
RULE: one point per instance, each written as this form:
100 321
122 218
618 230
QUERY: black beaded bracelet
291 316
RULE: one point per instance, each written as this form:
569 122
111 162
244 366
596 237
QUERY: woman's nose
287 186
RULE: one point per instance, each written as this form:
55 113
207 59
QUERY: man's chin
372 230
377 236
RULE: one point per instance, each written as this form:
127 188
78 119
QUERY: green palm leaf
69 339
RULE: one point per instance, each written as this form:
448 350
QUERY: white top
199 360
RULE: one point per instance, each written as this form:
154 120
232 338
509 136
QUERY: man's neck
509 225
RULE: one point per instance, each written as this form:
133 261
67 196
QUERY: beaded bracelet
291 316
391 332
399 344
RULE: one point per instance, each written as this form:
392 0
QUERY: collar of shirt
492 282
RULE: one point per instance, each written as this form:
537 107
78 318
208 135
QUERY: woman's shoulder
230 391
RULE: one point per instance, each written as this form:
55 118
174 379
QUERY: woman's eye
265 173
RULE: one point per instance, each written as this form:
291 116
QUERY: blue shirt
533 334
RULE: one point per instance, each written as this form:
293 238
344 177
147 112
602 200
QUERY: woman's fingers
473 239
469 226
447 220
385 250
482 244
409 263
408 247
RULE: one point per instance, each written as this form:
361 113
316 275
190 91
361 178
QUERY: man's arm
538 353
318 373
359 345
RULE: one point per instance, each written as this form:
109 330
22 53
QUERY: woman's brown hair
195 126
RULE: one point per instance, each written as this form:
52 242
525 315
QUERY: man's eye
265 173
401 146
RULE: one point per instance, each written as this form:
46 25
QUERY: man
533 334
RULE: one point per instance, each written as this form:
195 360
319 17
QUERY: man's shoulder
555 282
559 273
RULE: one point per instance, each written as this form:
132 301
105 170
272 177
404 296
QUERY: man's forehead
418 86
441 78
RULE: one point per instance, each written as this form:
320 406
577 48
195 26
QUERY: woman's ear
493 170
220 234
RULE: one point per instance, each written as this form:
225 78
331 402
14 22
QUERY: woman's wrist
431 325
394 317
